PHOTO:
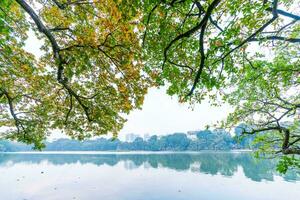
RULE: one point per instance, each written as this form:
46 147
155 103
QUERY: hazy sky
163 114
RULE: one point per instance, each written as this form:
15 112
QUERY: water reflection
226 164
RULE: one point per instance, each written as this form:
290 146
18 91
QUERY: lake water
143 176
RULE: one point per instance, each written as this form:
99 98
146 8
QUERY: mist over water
205 175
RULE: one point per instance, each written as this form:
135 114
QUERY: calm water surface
131 176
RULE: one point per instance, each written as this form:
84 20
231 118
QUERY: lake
143 176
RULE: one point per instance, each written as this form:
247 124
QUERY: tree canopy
245 53
88 77
197 45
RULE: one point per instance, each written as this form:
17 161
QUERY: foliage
88 76
268 100
245 54
288 162
196 46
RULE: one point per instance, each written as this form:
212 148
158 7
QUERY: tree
268 101
217 49
196 45
88 77
176 141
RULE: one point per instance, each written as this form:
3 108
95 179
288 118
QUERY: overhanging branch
56 53
188 33
291 40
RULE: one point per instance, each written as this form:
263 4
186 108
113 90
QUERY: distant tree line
203 140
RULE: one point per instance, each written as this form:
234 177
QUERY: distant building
192 135
131 137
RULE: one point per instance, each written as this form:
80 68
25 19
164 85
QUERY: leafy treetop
87 78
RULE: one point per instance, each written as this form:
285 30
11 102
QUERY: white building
131 137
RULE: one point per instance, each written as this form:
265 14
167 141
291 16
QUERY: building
131 137
192 135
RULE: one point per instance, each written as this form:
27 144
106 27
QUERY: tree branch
263 27
56 53
188 33
202 59
254 131
148 20
286 14
292 40
18 123
70 109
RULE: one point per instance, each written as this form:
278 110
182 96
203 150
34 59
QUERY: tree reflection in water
225 164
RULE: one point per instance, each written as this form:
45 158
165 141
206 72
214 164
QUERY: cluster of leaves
89 75
20 78
288 162
245 53
266 96
186 40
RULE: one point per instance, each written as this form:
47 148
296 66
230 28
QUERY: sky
160 114
163 114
